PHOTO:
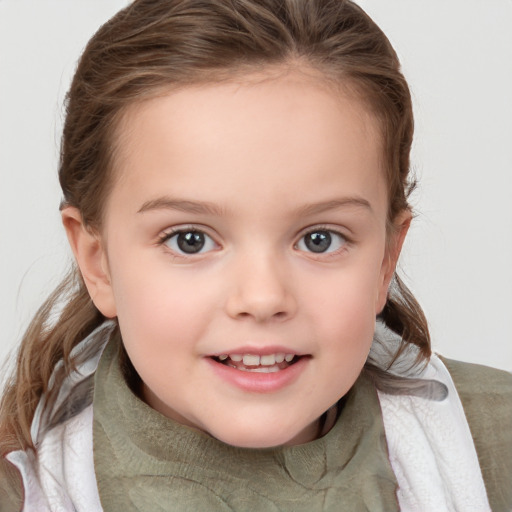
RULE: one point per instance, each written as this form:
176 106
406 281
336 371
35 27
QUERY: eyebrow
205 207
315 208
168 203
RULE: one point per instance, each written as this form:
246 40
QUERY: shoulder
478 378
486 396
10 487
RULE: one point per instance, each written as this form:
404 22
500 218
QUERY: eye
321 241
189 241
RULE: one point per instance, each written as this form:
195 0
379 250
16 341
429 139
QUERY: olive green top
11 494
486 395
145 461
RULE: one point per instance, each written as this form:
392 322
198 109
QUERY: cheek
347 294
159 327
343 306
156 304
348 329
347 337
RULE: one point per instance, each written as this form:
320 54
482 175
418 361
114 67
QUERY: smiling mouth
270 363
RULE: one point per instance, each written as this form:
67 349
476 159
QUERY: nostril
262 316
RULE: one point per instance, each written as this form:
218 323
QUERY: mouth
254 372
269 363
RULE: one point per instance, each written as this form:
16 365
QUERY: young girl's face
247 227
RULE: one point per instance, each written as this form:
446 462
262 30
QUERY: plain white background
457 56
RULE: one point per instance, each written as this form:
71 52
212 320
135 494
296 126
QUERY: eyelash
167 235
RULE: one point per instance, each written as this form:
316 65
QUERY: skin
255 164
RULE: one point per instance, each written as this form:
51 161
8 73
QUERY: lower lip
255 382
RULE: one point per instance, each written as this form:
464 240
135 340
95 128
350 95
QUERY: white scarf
430 445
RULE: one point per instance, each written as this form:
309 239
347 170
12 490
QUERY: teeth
250 360
255 360
268 360
279 358
261 369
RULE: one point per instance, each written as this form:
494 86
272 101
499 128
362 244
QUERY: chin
264 438
254 442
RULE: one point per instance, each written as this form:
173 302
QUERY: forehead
291 132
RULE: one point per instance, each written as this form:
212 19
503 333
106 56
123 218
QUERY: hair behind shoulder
46 341
154 46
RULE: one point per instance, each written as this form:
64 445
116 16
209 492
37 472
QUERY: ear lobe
91 258
393 250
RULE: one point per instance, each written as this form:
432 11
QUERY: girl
235 183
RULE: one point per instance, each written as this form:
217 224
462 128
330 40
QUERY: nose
262 290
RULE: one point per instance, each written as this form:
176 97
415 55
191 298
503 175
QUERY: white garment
61 478
430 445
432 452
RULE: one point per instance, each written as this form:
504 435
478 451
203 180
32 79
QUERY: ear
92 260
394 247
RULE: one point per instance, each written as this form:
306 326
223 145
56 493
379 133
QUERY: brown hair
151 46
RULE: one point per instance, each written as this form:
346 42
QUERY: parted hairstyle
153 46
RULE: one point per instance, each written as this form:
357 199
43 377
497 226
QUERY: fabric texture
486 395
430 445
11 490
146 462
139 455
432 452
61 476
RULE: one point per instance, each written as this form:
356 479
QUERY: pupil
191 242
319 241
